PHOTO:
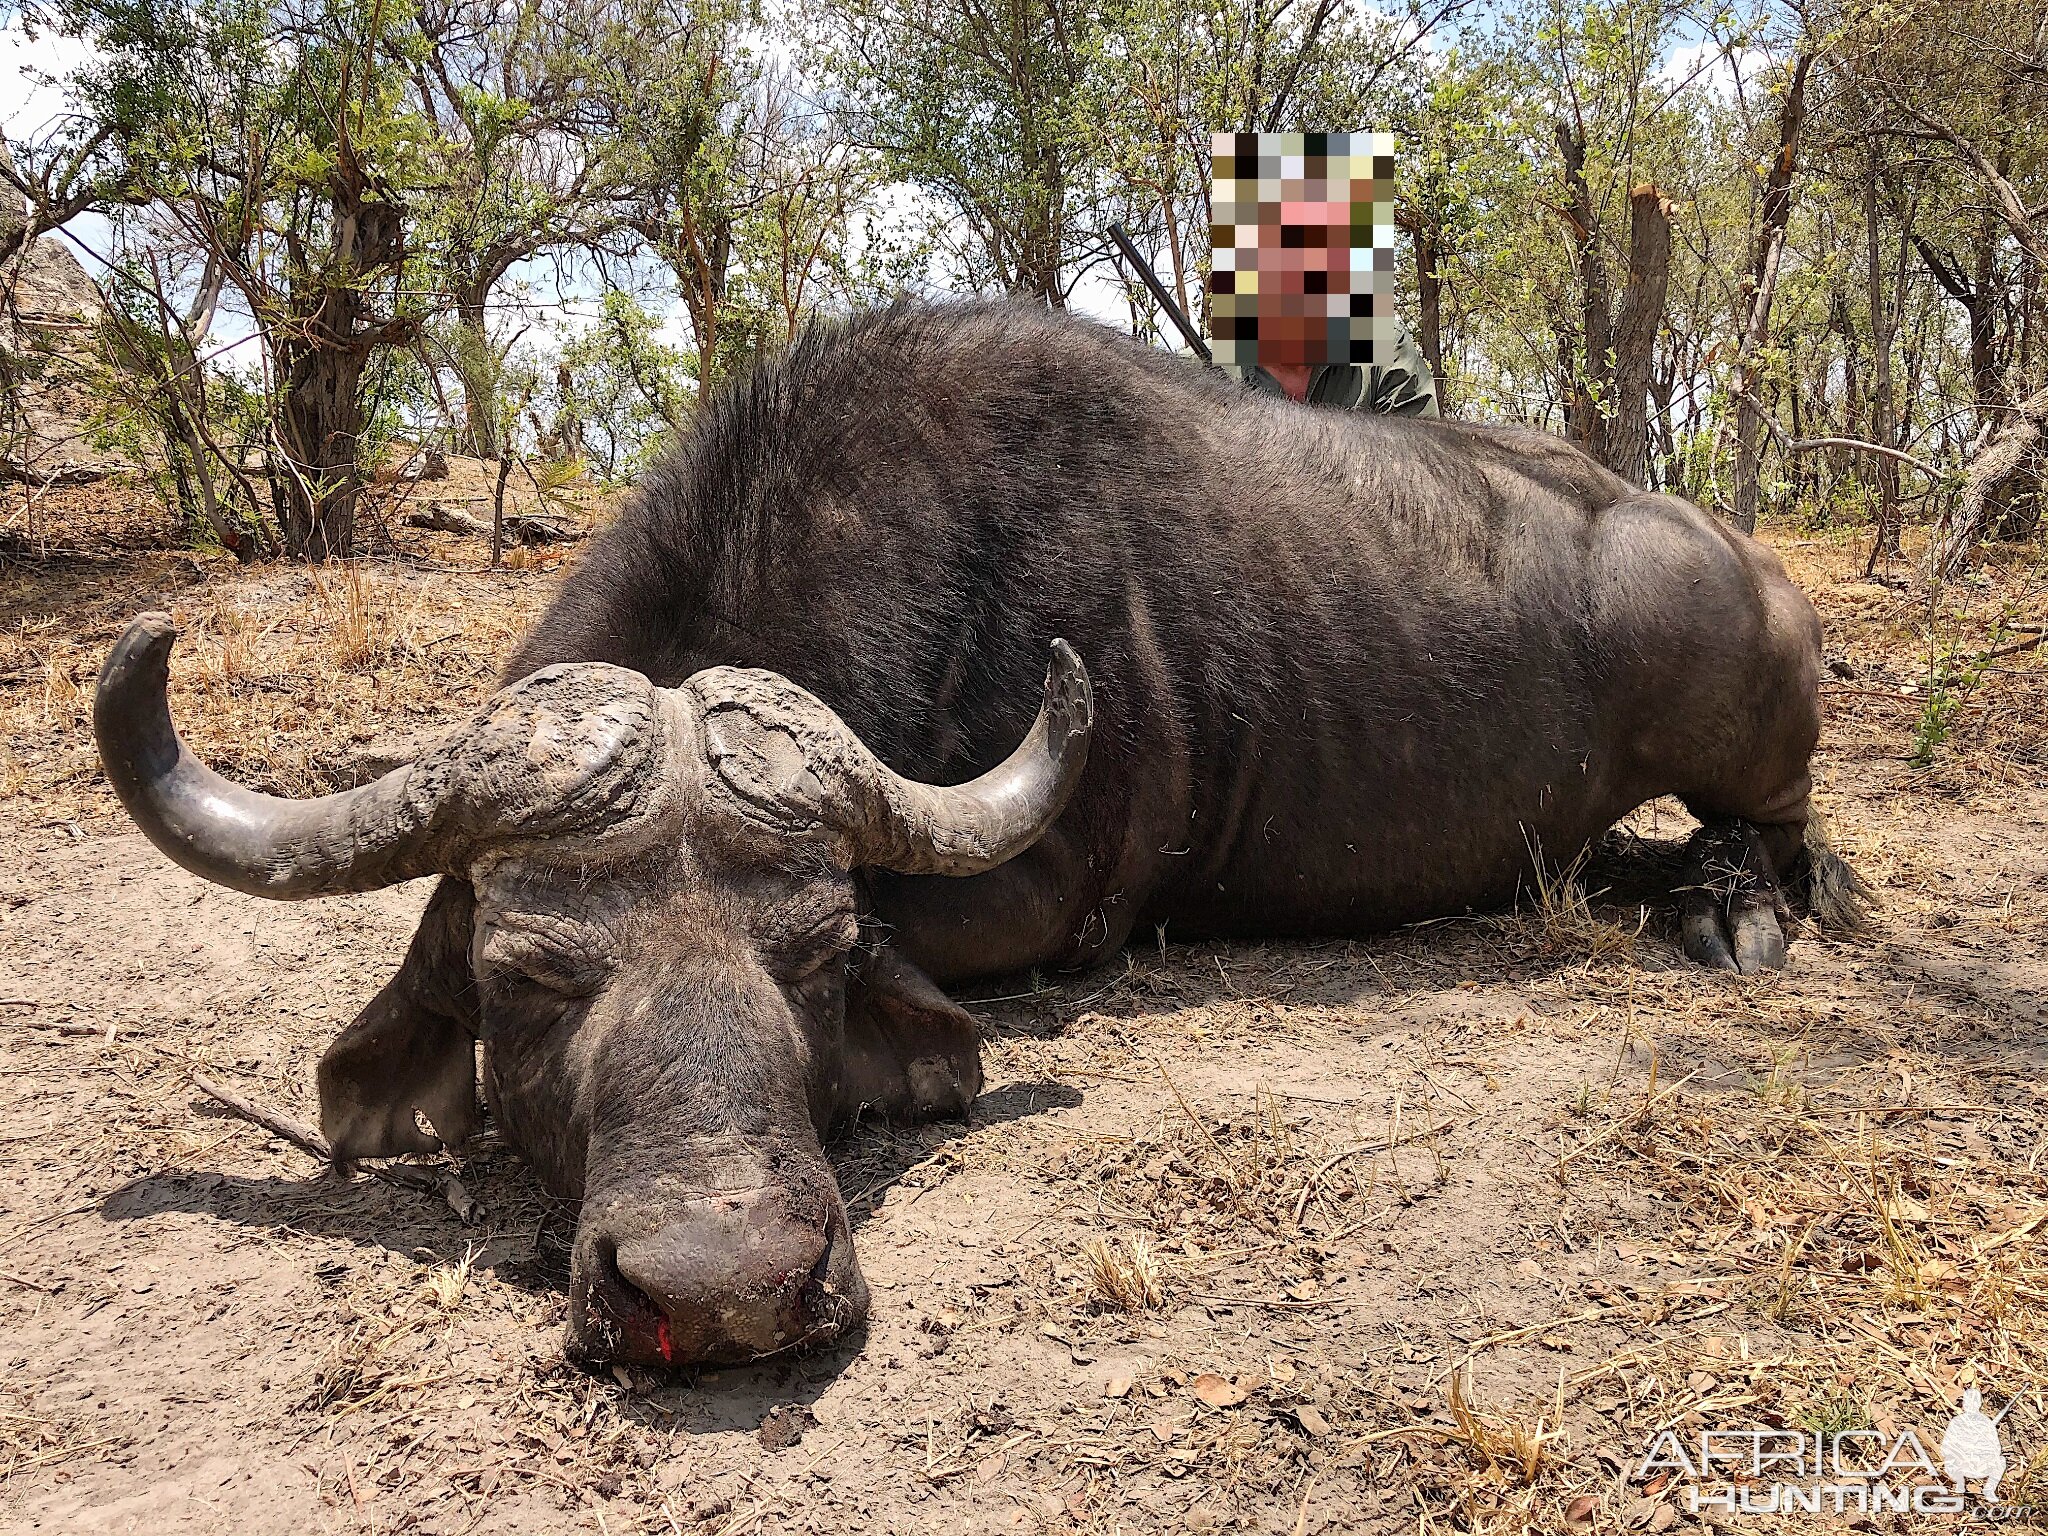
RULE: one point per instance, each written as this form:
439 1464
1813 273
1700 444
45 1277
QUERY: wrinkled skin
677 1037
1347 673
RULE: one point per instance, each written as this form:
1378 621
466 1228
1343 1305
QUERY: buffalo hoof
1732 913
1749 940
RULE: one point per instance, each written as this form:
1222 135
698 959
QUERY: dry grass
279 671
1893 1244
448 1282
1923 662
1515 1449
33 1437
1562 910
1125 1272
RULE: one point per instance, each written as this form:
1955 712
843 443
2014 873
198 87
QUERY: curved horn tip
148 637
1069 696
137 665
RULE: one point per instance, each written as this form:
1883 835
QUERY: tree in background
521 165
809 238
154 369
1966 85
273 143
680 112
979 108
618 392
1783 258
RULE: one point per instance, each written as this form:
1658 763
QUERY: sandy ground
1442 1227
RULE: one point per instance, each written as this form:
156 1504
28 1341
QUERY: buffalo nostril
738 1279
622 1319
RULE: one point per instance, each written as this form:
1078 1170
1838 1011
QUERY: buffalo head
664 935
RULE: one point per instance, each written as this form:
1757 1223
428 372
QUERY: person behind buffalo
1299 300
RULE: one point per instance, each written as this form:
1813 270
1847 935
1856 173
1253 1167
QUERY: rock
47 349
785 1426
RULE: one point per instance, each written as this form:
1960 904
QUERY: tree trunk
318 428
1796 467
1584 408
498 510
1854 380
200 482
1636 324
477 364
1769 249
1883 327
320 423
1663 385
700 258
1979 300
2003 459
1429 306
1985 374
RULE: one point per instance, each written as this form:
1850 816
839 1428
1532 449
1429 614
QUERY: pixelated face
1302 232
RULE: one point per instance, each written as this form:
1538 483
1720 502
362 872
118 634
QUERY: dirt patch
1431 1232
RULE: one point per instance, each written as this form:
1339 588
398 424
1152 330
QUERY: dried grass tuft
448 1282
1512 1447
62 696
1125 1272
1563 910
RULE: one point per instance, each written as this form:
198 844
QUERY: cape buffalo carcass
701 890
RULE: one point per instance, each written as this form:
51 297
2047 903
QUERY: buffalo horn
783 751
357 840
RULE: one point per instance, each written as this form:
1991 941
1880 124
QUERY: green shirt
1401 386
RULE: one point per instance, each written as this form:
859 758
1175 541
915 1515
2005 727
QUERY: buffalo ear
411 1049
911 1052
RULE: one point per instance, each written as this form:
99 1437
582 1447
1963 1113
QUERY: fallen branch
68 474
2015 648
525 527
308 1140
1495 1340
1789 444
1642 1113
71 1027
1876 693
297 1132
1276 1304
1385 1144
61 1026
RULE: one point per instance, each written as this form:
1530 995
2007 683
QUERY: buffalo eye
556 953
802 951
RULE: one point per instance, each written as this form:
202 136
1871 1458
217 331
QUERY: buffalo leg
411 1049
911 1052
1732 910
1036 910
